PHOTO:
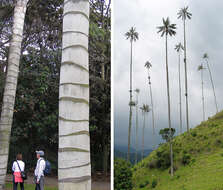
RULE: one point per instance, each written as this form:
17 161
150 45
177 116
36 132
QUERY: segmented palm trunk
151 99
74 166
186 89
130 108
169 118
212 83
202 89
10 87
137 126
143 131
181 130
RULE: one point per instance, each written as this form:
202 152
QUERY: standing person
39 171
17 167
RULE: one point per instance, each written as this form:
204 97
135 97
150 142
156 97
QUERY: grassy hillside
198 160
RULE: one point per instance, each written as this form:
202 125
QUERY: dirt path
98 183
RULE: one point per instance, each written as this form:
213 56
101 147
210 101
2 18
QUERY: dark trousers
15 185
40 185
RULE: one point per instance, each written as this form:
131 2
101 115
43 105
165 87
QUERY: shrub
186 159
144 184
163 159
194 133
154 183
152 164
122 175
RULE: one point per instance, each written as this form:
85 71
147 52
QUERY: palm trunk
143 130
181 130
74 165
151 98
212 83
10 87
130 108
169 118
202 86
137 125
186 90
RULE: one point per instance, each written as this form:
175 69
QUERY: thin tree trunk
130 108
74 165
151 98
212 83
202 86
169 118
10 87
137 126
181 130
143 130
186 89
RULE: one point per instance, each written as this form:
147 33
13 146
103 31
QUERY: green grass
29 187
204 171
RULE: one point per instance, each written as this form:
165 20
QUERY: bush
144 184
186 158
154 183
122 175
152 164
194 133
163 159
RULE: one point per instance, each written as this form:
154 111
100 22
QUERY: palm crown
148 65
200 67
179 47
145 108
137 90
132 34
184 14
167 28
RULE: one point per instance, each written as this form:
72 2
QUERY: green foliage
122 175
186 158
154 183
167 134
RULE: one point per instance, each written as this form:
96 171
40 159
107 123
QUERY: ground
99 182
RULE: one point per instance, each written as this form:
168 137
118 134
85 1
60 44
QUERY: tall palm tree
168 29
201 68
137 123
205 57
10 86
74 165
145 109
179 48
132 35
148 65
184 14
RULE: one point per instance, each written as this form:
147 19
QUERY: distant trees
132 35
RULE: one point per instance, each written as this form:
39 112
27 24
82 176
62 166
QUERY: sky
203 34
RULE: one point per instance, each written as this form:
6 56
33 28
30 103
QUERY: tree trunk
169 118
137 126
181 130
186 89
130 108
10 87
74 165
151 98
202 88
212 83
143 130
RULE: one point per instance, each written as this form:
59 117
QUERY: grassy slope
204 172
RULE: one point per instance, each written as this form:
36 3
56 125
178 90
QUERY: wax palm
137 123
131 35
179 48
184 14
201 68
168 29
145 109
205 57
148 65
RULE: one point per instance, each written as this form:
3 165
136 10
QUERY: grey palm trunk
143 133
10 87
169 118
186 87
137 126
202 89
130 108
74 165
180 104
212 84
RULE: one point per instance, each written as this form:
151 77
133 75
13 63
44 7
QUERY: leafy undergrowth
29 187
198 161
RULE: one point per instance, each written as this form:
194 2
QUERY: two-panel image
111 95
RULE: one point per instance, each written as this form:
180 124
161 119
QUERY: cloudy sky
203 33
